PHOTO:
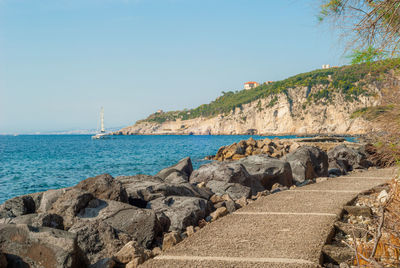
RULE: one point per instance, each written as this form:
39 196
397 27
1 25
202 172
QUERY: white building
326 66
250 85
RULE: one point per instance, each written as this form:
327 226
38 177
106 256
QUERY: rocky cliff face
290 112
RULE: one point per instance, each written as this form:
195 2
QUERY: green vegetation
372 113
349 80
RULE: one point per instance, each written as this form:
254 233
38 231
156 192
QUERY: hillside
321 101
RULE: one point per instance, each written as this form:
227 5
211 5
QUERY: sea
35 163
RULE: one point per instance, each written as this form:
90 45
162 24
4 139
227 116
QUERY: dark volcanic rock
144 188
307 163
234 190
228 172
40 220
268 171
104 187
17 206
182 211
70 204
347 159
27 246
98 239
142 224
183 167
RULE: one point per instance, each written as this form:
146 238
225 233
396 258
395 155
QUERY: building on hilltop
160 111
250 85
268 82
326 66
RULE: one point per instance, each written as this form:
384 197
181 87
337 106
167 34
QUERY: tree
371 26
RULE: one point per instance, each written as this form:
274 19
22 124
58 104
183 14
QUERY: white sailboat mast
102 120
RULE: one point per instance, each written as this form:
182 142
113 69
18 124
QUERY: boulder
143 188
228 172
307 163
234 190
17 206
182 211
99 240
347 159
104 187
40 220
69 204
27 246
141 224
267 171
184 167
49 197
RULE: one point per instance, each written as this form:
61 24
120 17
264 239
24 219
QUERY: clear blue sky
61 60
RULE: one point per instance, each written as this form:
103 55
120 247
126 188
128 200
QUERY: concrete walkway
286 229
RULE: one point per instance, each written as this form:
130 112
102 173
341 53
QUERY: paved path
286 229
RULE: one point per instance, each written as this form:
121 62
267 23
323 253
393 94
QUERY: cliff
318 102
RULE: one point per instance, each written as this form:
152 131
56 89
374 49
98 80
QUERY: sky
61 60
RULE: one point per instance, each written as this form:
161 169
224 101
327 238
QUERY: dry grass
383 250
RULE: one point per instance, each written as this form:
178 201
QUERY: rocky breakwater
123 221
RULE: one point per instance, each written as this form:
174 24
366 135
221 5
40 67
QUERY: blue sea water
34 163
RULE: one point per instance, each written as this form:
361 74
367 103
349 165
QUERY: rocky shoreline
121 222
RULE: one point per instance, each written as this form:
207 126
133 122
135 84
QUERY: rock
358 210
190 230
235 190
170 239
220 212
338 254
347 159
141 224
182 211
335 172
184 166
156 251
130 252
233 172
208 218
17 206
3 260
216 199
40 220
202 223
104 263
98 239
358 231
176 177
70 204
143 188
242 202
49 197
308 163
104 187
383 196
27 246
219 204
230 206
267 171
263 193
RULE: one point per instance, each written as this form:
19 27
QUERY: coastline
170 205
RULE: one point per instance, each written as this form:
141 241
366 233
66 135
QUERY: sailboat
102 134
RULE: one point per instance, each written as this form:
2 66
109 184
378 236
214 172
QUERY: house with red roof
250 85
